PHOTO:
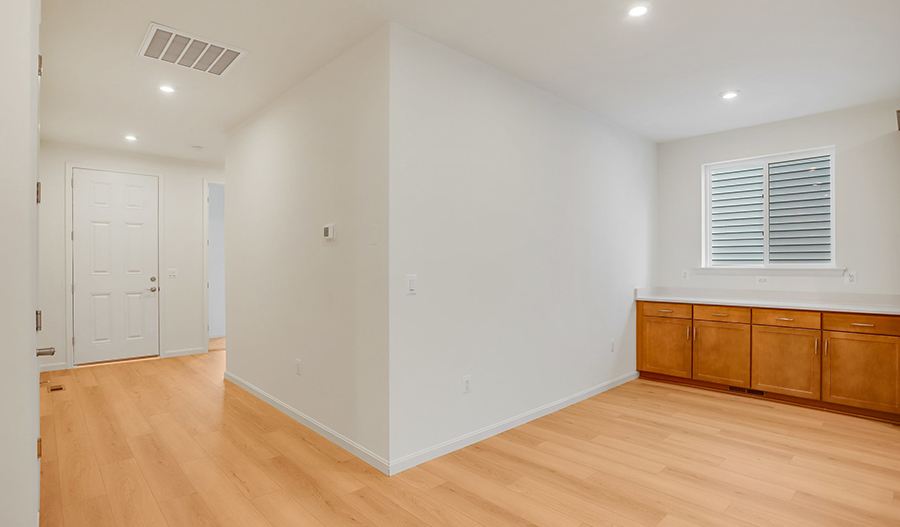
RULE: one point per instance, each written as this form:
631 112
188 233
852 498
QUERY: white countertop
851 302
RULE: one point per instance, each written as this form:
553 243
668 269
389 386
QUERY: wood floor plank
243 472
79 471
51 507
281 510
163 475
130 498
106 435
188 511
178 441
227 504
169 442
95 512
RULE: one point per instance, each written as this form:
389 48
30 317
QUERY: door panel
722 353
787 361
666 346
115 263
861 370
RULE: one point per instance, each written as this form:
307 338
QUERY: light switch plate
412 284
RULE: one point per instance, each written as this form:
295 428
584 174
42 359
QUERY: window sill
822 272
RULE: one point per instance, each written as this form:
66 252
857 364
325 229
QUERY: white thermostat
328 231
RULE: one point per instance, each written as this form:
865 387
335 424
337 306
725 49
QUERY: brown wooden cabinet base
796 401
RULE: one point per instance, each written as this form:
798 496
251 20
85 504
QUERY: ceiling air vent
177 47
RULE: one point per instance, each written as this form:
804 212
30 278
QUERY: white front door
115 248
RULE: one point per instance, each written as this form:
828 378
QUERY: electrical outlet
467 383
612 346
298 368
850 278
762 280
173 273
685 274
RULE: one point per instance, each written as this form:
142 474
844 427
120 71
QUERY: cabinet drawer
851 323
787 319
739 315
658 309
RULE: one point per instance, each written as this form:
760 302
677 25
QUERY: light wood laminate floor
168 442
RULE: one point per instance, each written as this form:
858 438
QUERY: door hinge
73 288
38 322
39 448
38 191
73 236
40 74
73 342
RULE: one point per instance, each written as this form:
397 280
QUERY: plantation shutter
800 211
736 210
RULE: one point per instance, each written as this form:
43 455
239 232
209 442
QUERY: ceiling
659 75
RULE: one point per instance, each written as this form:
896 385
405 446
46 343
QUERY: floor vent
177 47
56 388
736 389
756 392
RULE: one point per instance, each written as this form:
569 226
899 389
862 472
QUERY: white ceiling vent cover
177 47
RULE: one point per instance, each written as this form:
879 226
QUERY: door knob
152 278
152 289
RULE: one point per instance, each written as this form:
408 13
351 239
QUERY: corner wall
529 222
316 155
181 224
867 184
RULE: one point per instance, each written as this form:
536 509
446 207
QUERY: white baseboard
395 467
53 366
340 440
179 353
463 441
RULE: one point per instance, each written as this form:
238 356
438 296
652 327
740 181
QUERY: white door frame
206 184
70 310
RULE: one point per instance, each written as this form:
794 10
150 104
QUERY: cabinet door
862 371
722 353
787 361
666 346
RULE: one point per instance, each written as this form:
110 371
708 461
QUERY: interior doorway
115 265
215 221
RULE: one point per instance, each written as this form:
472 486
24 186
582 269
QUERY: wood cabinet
666 346
721 353
846 362
861 370
787 361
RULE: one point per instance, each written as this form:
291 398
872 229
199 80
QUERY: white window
770 211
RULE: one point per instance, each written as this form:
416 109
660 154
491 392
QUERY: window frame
765 161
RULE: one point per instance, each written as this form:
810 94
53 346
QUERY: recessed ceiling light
640 9
131 138
167 89
731 94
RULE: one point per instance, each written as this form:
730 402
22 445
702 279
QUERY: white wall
181 310
867 185
19 468
529 223
316 155
216 260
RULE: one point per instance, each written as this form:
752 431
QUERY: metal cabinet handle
720 314
695 332
46 352
665 310
826 347
688 332
788 319
817 347
862 325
